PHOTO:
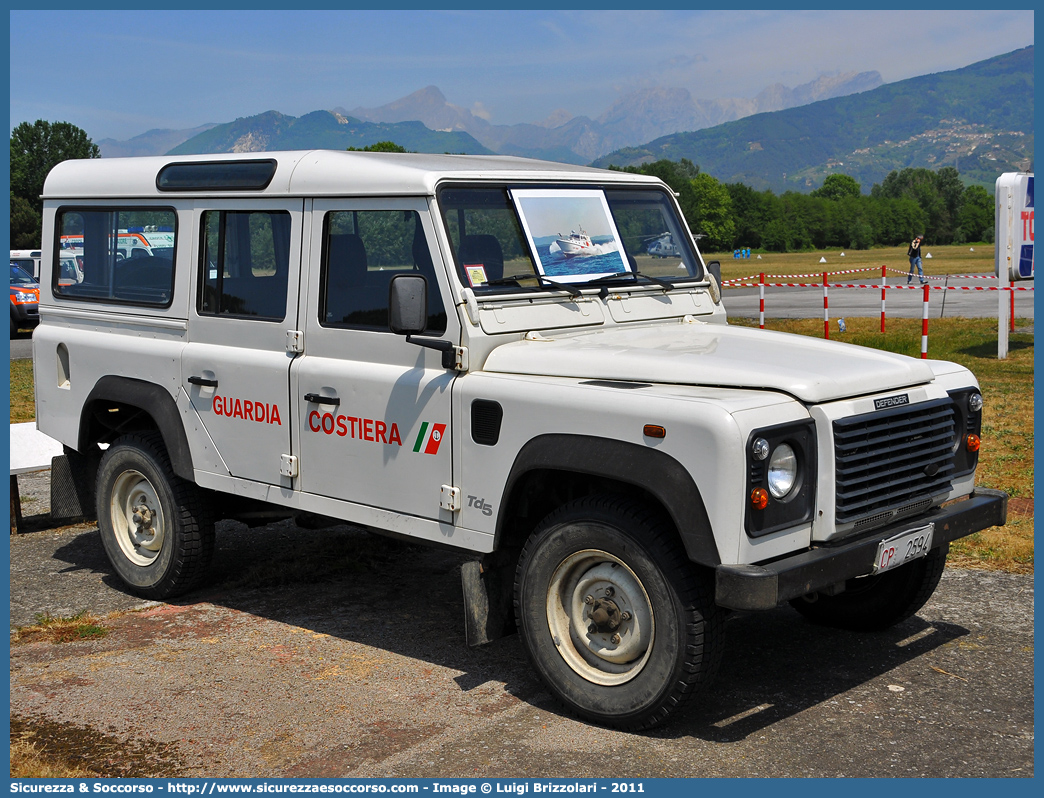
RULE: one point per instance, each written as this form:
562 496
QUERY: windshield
20 277
510 238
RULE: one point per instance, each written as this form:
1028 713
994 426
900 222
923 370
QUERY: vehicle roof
321 173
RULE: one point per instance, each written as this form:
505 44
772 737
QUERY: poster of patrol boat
572 233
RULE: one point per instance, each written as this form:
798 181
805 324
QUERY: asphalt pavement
965 296
22 345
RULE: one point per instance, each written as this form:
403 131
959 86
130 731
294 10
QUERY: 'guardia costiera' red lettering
233 407
366 429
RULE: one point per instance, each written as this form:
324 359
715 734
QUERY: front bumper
26 314
762 587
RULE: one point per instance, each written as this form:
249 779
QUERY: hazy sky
117 74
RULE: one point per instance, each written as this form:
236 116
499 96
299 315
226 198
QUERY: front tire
157 529
874 603
618 623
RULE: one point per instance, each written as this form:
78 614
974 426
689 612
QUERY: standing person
914 253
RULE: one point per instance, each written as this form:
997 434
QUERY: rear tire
618 623
157 528
873 603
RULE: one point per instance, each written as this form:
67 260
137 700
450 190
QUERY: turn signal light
654 431
759 498
973 443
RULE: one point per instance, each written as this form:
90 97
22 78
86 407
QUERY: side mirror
408 304
714 267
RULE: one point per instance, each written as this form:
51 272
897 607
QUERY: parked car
25 300
70 269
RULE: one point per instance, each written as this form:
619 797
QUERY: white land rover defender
492 354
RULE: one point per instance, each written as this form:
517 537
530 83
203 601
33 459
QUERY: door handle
203 381
322 400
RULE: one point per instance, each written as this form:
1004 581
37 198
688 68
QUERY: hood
811 369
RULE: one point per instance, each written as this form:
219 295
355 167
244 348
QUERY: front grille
891 460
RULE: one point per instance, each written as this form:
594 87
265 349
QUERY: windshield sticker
476 273
572 232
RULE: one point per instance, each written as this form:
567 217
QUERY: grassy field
22 402
956 259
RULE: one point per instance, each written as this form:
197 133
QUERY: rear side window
362 251
93 262
245 264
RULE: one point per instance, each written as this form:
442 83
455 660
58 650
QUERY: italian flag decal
429 440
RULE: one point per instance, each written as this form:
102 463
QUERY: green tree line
907 203
35 149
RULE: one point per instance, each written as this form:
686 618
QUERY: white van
396 340
28 260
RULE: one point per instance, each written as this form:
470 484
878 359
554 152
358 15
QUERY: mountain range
978 118
323 130
151 142
634 119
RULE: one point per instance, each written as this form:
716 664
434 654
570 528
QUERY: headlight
781 477
25 296
782 470
975 402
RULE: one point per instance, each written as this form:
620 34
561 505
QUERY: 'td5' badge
433 439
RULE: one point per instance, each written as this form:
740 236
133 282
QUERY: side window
362 251
90 263
245 262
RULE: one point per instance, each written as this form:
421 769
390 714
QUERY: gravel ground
340 653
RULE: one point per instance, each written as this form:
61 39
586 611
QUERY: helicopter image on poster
663 246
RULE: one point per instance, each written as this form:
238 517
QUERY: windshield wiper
571 289
666 285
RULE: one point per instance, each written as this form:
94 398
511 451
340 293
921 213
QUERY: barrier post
884 285
1011 315
826 311
924 325
761 291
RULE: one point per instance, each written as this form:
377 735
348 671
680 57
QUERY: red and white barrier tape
878 285
740 280
743 281
952 276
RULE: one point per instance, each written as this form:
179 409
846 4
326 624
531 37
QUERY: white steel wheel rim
137 518
595 649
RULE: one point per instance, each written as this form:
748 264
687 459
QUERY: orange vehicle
127 243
